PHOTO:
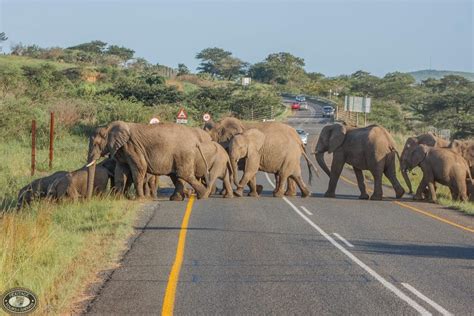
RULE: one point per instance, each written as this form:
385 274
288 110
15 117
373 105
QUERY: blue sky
334 37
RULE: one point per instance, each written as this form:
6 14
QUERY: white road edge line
306 210
426 299
369 270
343 240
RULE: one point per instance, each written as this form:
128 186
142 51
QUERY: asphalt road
316 256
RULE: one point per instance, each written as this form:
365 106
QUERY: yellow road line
170 293
412 208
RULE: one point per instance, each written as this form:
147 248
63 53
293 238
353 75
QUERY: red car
295 106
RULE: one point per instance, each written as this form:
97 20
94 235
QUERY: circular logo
19 301
206 117
154 121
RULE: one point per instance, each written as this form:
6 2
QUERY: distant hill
438 74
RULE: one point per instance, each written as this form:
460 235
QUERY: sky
334 37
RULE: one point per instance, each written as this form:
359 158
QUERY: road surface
315 256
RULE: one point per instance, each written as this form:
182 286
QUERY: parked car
300 98
303 136
328 111
295 106
304 105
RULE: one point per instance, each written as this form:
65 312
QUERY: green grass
56 249
10 61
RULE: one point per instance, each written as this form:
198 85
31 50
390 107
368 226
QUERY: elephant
73 185
158 149
466 149
39 188
123 176
369 148
429 139
259 154
440 165
282 145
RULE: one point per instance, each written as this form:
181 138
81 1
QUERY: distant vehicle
295 106
304 105
300 98
328 111
303 136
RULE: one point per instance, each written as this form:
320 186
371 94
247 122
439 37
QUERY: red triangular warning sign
182 114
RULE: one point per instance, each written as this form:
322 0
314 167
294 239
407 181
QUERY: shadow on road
416 250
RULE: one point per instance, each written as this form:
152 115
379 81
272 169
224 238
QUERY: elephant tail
206 176
309 164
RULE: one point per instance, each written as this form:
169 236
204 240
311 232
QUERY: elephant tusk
91 163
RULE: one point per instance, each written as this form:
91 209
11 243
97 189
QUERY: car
303 135
295 106
328 111
300 98
304 105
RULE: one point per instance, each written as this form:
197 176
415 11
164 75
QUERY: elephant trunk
322 163
90 178
235 170
404 172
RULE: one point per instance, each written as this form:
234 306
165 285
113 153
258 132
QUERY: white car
304 105
303 136
300 98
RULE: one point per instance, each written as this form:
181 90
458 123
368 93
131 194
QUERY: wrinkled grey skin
158 149
39 188
428 139
440 165
73 185
370 148
466 149
282 147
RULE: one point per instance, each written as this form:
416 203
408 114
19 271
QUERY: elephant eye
408 146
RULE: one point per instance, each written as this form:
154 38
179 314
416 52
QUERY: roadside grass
11 61
56 249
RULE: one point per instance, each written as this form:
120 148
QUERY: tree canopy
220 63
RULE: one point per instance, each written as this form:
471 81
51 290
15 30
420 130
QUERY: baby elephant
39 188
74 184
440 165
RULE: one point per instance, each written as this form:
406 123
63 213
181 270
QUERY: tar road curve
312 256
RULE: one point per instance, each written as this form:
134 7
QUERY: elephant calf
39 188
440 165
74 184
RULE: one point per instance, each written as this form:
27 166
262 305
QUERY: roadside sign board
206 117
357 104
246 81
182 117
154 120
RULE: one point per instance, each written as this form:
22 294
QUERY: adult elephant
428 139
466 149
369 148
158 149
281 146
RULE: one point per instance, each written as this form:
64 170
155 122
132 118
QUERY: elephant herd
138 153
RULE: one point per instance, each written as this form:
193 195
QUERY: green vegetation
422 75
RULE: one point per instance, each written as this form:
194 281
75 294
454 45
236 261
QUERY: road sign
246 81
182 117
206 117
154 120
357 104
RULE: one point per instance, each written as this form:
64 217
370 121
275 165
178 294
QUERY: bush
387 114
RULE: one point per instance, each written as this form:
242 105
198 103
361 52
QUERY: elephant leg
178 193
391 175
432 191
378 193
361 183
138 180
336 170
421 187
200 189
305 191
154 186
228 186
291 187
280 189
211 186
277 182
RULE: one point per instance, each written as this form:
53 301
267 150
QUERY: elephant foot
239 192
253 194
330 194
305 193
364 196
376 197
290 193
177 197
229 195
278 194
417 197
399 193
188 192
259 189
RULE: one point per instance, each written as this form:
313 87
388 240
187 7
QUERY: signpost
182 117
246 81
154 120
206 117
357 105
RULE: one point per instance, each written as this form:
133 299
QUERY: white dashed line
306 210
343 240
426 299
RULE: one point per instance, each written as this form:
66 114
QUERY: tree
96 47
183 70
220 63
3 38
122 52
280 68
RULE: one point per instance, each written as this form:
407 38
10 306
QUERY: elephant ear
418 155
337 136
119 135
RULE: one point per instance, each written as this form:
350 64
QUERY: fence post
33 146
51 140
